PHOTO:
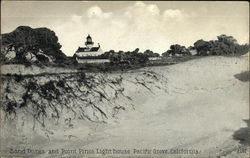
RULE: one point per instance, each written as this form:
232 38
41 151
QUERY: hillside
199 104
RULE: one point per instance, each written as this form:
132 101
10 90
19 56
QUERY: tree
224 45
241 49
202 47
229 40
150 53
33 40
177 50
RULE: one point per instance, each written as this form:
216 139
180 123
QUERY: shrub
128 58
42 58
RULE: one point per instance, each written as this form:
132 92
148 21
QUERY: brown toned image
124 79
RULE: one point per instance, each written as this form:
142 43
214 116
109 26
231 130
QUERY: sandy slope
206 104
201 108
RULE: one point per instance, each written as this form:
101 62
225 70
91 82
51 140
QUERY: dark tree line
25 39
44 41
224 45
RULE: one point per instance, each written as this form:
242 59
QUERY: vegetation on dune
76 96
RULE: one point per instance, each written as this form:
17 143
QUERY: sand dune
197 105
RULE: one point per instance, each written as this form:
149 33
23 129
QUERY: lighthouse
89 51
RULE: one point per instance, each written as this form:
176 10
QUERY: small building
154 58
89 53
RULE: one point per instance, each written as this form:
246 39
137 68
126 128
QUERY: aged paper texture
124 79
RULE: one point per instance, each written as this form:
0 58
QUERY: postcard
124 79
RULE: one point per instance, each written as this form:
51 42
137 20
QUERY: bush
128 58
42 58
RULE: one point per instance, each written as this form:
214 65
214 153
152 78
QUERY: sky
127 25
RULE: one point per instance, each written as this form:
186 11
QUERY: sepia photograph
124 79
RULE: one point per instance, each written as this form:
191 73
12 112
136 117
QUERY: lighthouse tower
89 43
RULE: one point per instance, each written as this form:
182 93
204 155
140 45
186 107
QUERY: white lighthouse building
89 53
89 50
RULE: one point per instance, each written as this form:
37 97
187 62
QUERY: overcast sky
128 25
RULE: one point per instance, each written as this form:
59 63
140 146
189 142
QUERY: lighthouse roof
84 49
88 36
